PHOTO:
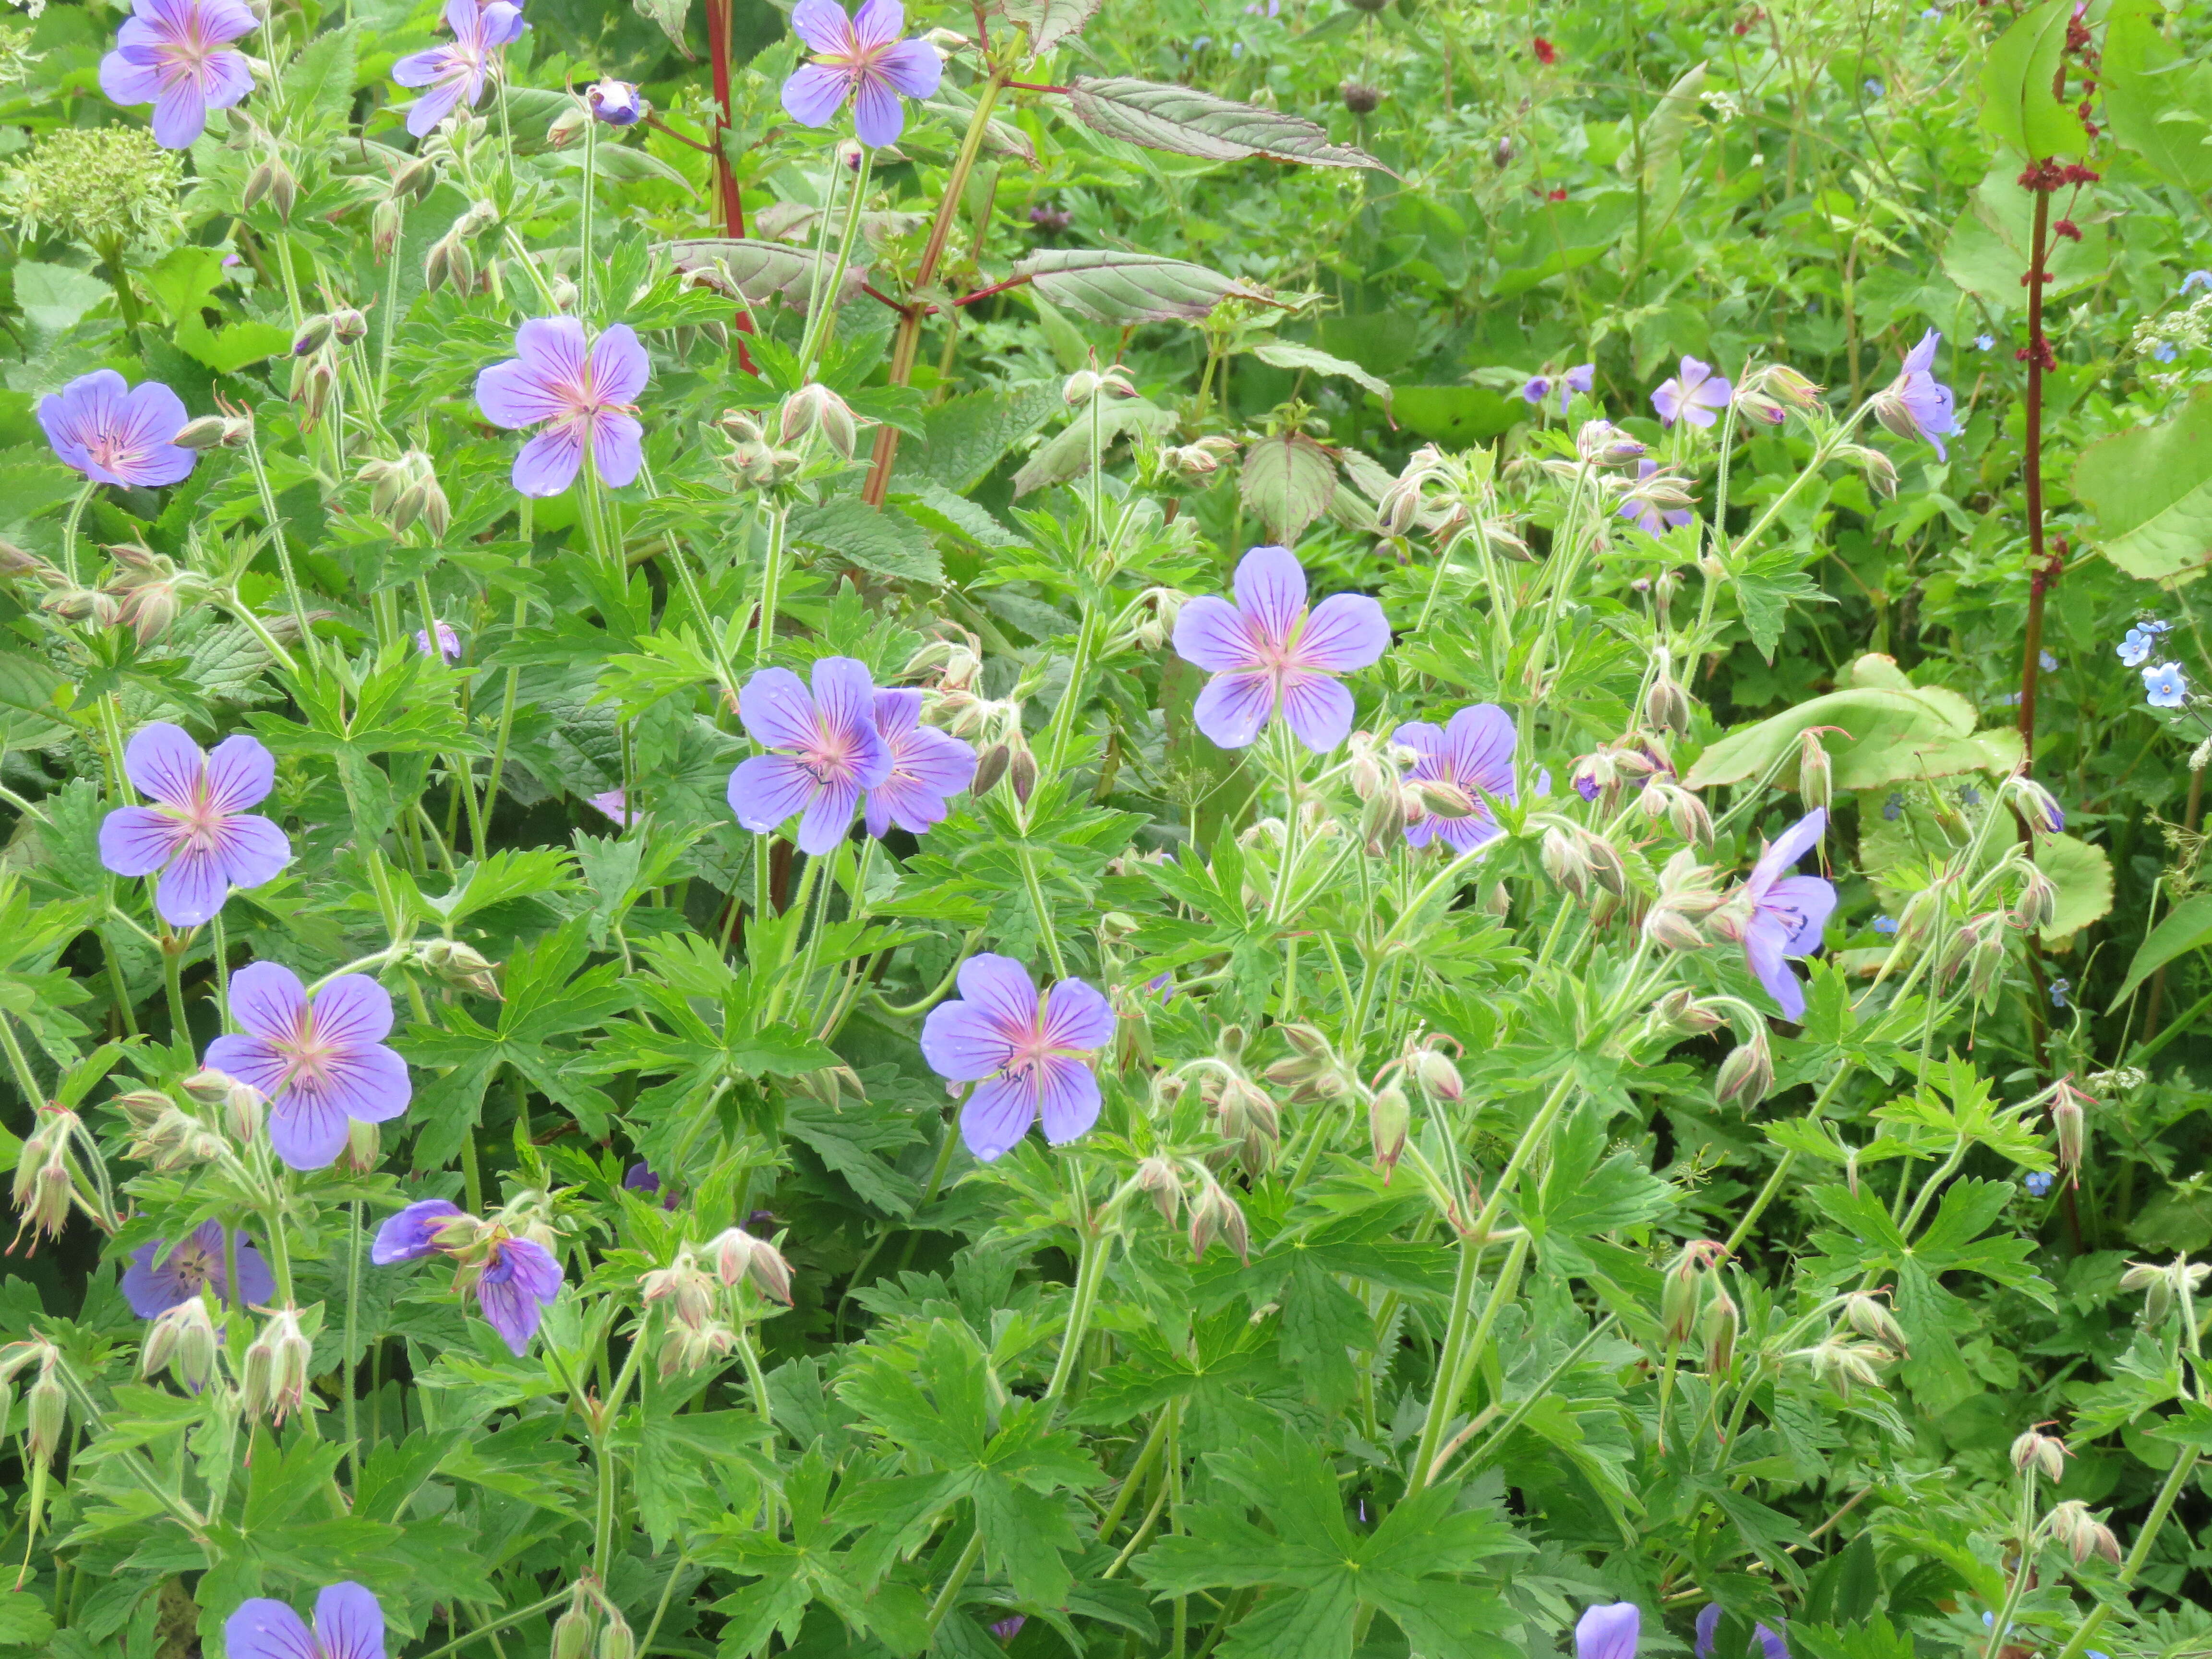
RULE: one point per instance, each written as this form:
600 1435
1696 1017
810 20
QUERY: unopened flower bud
257 186
206 433
1815 780
1720 1325
1667 704
1021 771
1156 1177
1437 1073
461 964
572 1631
184 1341
815 406
1665 925
687 1291
1680 1292
1389 1116
990 766
1870 1317
739 1255
1215 1215
2040 1452
283 190
615 1641
1565 861
48 1416
1746 1074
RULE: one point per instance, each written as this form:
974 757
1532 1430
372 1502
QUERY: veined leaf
2017 106
1284 355
1288 480
2156 102
761 271
1109 286
1048 22
2152 490
1188 122
2187 927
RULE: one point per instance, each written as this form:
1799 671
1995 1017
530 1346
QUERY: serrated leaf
1067 456
1288 481
669 15
965 437
2151 488
2156 101
319 83
888 543
1186 121
1048 22
1109 286
1284 355
761 271
2017 72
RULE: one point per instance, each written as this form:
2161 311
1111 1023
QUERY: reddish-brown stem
2041 573
986 293
1031 86
725 178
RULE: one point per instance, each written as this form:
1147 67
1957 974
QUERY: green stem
955 1581
70 530
822 315
583 272
276 535
501 1623
1043 913
346 1361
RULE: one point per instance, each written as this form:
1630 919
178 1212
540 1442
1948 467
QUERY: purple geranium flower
641 1178
518 1284
1475 751
1787 912
515 1280
1025 1052
322 1063
153 1286
926 766
1535 389
1608 1632
1692 395
456 73
1010 1626
114 433
1769 1640
830 751
582 396
349 1625
414 1232
1916 404
1650 518
615 102
1269 654
173 54
201 837
449 642
860 58
1580 378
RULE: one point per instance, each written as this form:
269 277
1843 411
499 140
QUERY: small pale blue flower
2135 650
2195 280
1893 808
2037 1183
1985 342
2165 686
2060 989
2049 663
2164 352
1885 925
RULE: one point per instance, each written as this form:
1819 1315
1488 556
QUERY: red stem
725 179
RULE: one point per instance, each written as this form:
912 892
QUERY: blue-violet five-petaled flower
1695 394
114 433
827 752
200 838
860 58
1916 404
455 73
321 1061
2165 686
1786 913
1025 1052
581 396
1473 752
927 766
349 1625
176 56
514 1279
615 102
1651 518
1270 655
162 1276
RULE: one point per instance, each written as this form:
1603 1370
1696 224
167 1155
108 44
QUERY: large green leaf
1283 353
1887 730
1188 122
1048 22
2156 102
1987 252
761 271
2187 927
2017 105
2152 490
1288 481
888 543
2083 876
1460 415
1108 285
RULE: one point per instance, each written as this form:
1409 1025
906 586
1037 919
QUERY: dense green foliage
1465 1237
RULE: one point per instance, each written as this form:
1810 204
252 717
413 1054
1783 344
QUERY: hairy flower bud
1667 704
1434 1072
688 1290
1021 770
1665 925
2036 805
48 1415
462 965
1389 1116
1214 1215
1680 1293
1565 861
2041 1452
572 1631
1156 1177
1815 778
615 1641
1870 1317
813 407
184 1341
2080 1534
1720 1325
739 1255
1746 1074
990 766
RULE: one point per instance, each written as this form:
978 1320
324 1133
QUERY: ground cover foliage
1126 828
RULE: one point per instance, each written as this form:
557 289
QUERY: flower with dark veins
1026 1054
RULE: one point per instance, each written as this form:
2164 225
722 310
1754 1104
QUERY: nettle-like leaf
1048 22
1318 1573
1109 285
1289 481
760 271
1190 122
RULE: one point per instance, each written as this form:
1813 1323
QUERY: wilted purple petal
521 1282
1709 1621
412 1233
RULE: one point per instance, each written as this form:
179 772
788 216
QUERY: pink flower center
830 756
1025 1053
307 1058
1281 656
200 819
